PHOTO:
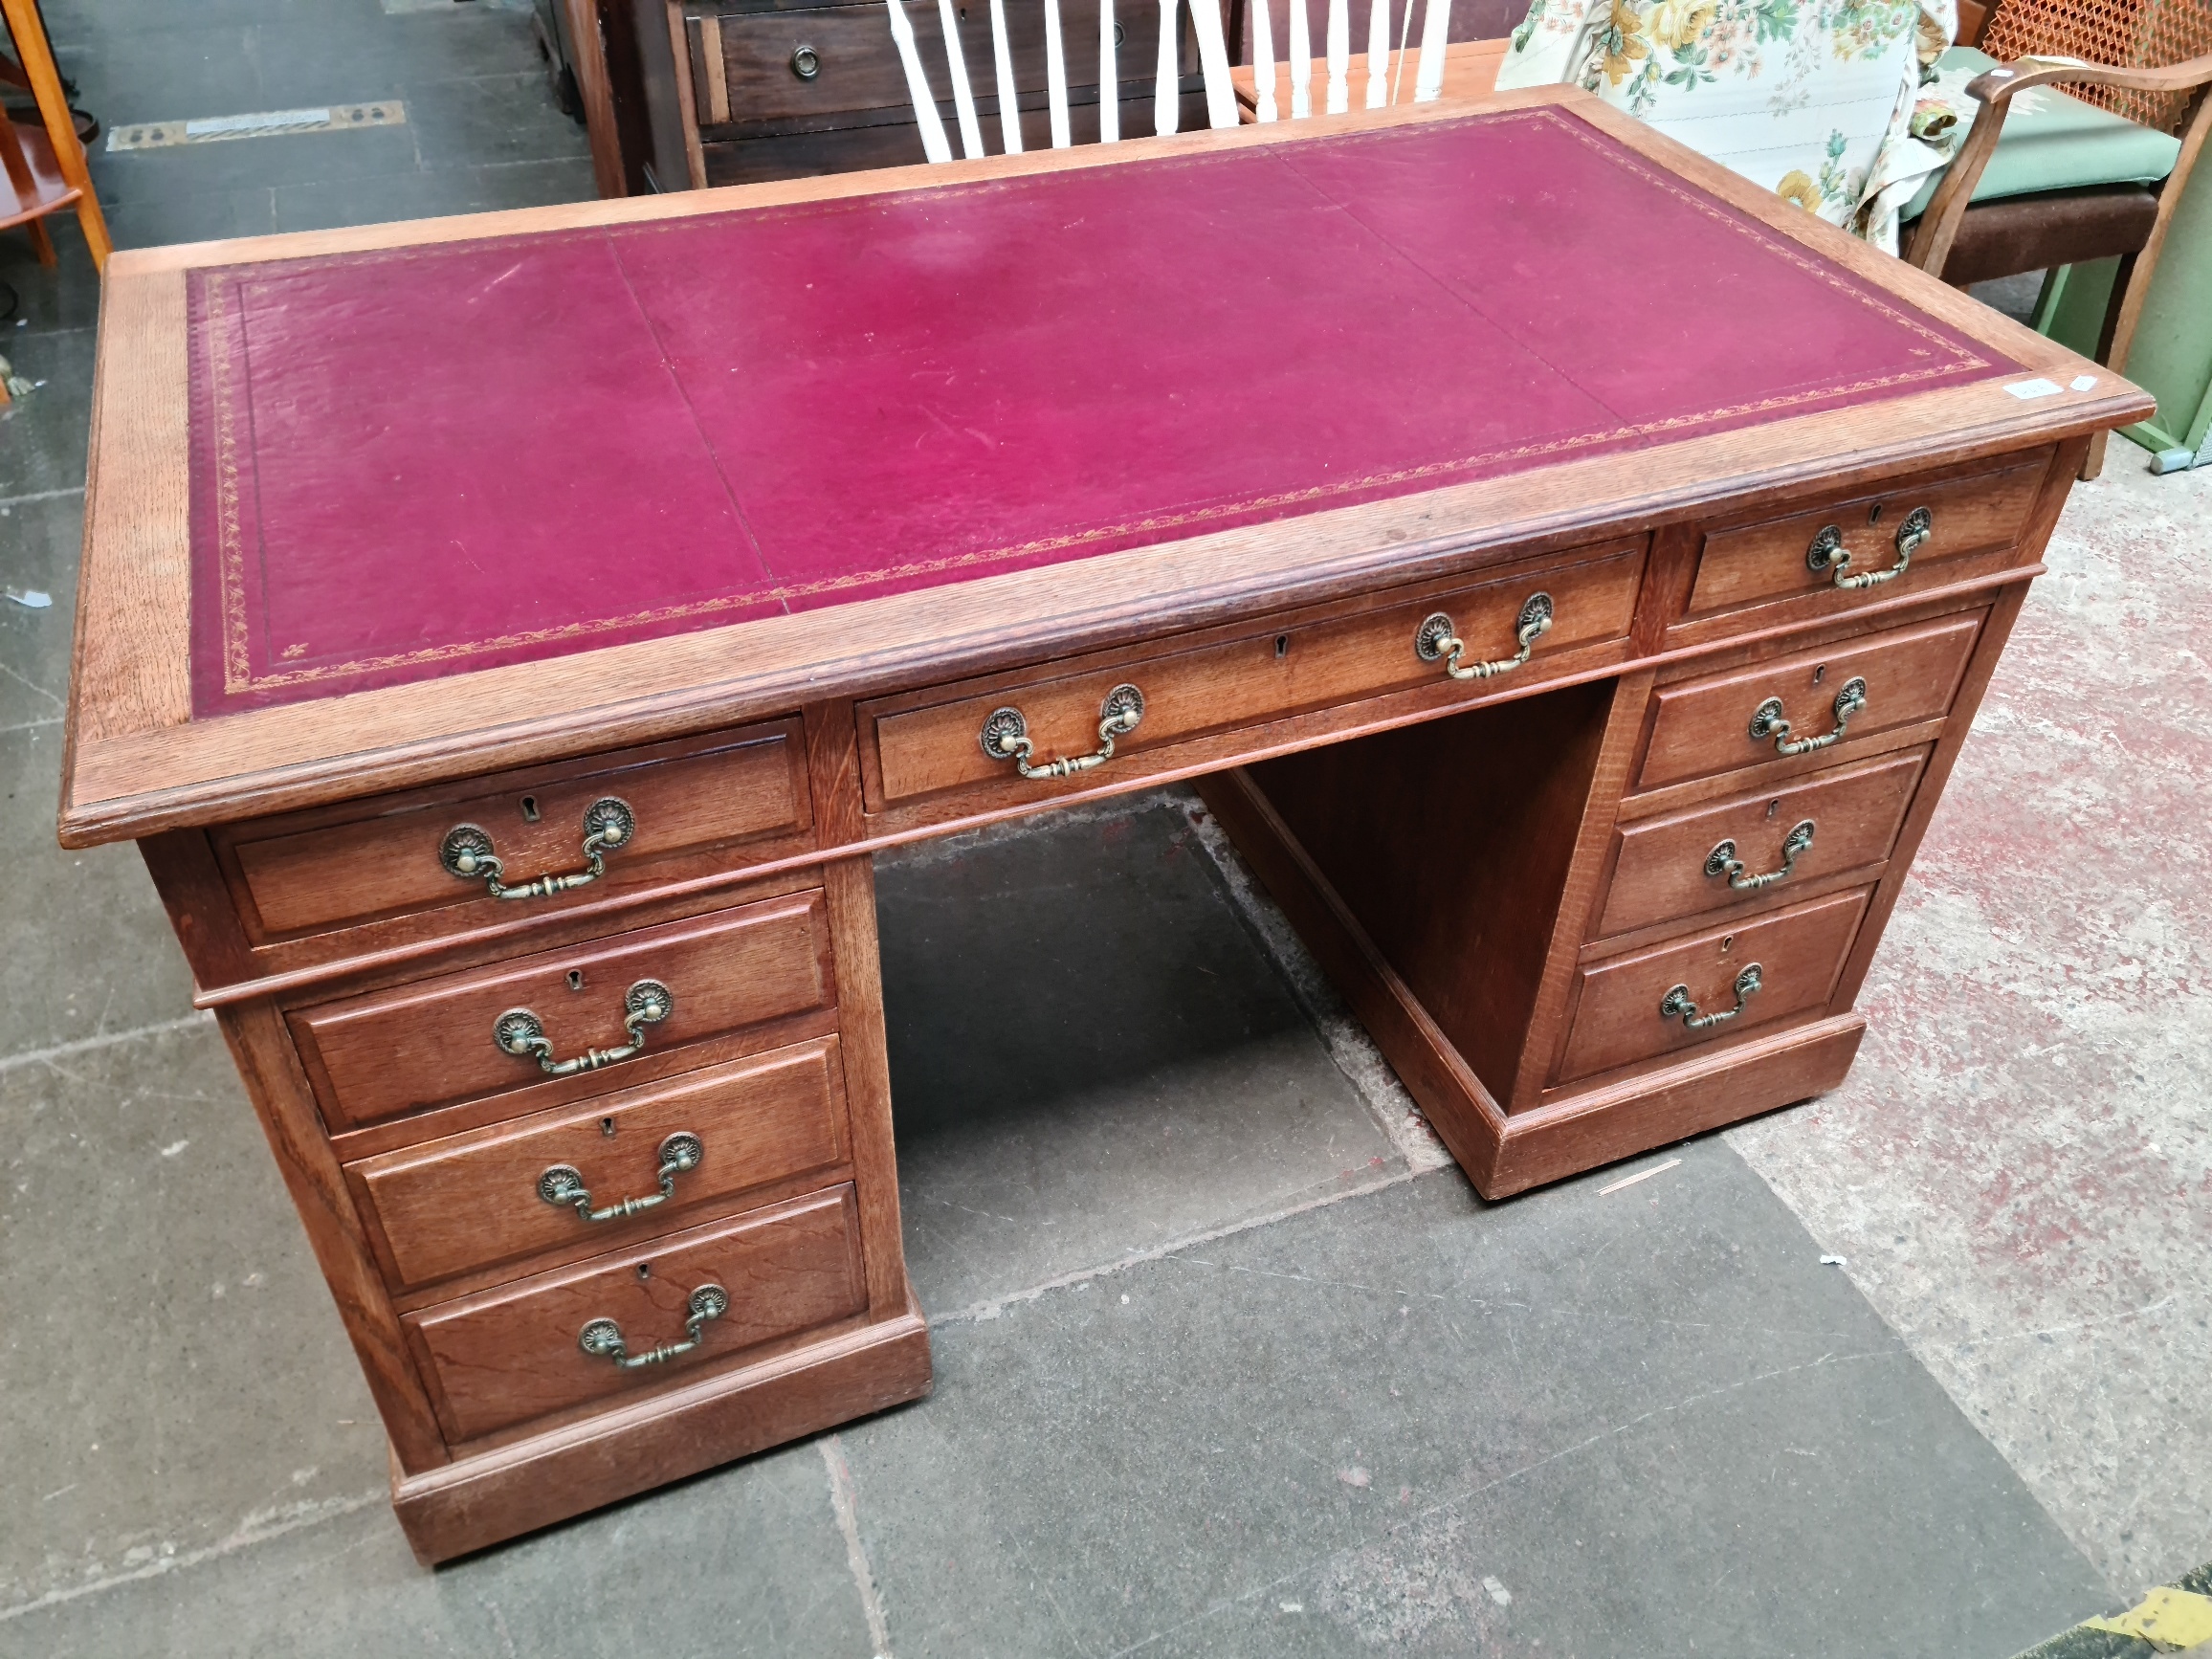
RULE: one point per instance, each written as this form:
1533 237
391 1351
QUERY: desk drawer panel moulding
1509 649
572 1183
568 1015
520 843
1709 988
1808 707
1758 849
1897 540
637 1319
1514 628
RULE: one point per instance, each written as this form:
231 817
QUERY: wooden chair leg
2124 302
41 244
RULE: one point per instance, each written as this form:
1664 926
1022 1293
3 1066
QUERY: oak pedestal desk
1569 572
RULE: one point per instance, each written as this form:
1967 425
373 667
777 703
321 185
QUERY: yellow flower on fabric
1681 24
1621 43
1799 187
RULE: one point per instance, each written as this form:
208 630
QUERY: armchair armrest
1995 90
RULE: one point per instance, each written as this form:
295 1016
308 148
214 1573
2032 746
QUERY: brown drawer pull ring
1766 721
467 852
1005 736
602 1339
1676 1004
521 1033
1829 553
1437 638
1723 861
564 1184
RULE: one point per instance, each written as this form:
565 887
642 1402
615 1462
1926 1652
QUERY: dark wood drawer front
507 1356
1755 564
917 751
1674 867
378 858
476 1200
746 64
1799 953
1703 726
431 1043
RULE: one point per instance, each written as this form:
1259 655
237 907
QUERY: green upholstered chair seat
2053 142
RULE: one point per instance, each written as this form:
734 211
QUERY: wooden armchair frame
1938 229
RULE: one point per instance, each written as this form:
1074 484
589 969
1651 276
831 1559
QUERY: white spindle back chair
1383 87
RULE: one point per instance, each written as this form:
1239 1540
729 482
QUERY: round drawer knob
805 63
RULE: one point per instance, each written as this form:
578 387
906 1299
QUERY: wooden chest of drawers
1588 735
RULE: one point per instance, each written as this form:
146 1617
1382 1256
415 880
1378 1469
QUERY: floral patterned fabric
1804 96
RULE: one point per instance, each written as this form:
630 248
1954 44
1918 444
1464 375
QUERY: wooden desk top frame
137 763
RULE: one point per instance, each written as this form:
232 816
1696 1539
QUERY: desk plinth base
1504 1153
475 1502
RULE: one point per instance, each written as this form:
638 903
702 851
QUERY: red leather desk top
442 458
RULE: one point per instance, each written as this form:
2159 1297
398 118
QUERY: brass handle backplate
1766 721
1436 639
806 62
1723 861
467 852
521 1033
562 1185
1005 736
1676 1004
602 1339
1829 552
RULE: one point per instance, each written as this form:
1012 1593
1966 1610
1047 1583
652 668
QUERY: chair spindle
1340 56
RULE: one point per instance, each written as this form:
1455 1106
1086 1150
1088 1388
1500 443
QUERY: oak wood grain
1703 726
371 859
531 1482
430 1043
1758 563
472 1201
929 741
510 1354
1616 1019
1659 874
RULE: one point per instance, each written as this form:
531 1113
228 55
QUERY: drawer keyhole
607 1127
1282 646
1820 673
1874 514
1774 806
1727 943
529 808
575 979
645 1269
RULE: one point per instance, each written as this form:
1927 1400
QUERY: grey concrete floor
1229 1359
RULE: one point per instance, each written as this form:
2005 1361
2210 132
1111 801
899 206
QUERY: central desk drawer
1794 706
475 1201
1639 1007
1679 866
437 1041
508 1355
927 741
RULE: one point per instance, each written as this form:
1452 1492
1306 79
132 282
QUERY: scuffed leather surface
442 458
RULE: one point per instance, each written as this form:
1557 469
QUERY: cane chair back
2122 34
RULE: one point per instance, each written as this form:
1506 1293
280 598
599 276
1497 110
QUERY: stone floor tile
43 433
1091 1054
47 299
174 1372
38 545
491 118
89 951
744 1564
1653 1420
429 194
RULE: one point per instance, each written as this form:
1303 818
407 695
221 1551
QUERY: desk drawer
748 66
1624 1012
434 1041
508 1355
1776 559
1731 721
476 1200
1675 867
923 743
384 857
